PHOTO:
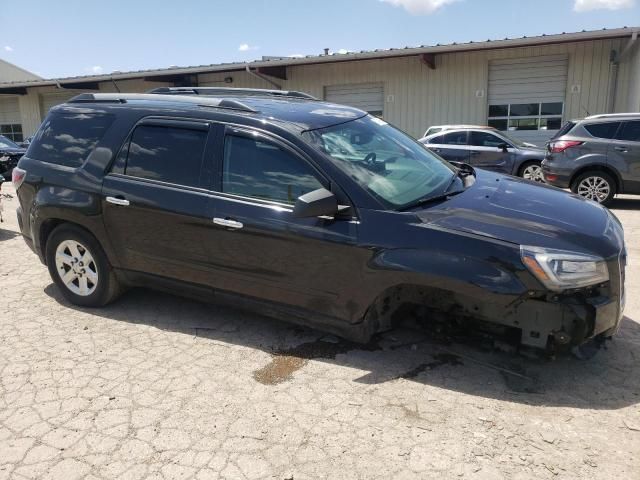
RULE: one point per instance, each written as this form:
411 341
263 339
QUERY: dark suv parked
597 157
319 212
486 147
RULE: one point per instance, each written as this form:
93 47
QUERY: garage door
526 96
10 121
49 100
365 96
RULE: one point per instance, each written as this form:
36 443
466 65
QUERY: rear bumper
558 177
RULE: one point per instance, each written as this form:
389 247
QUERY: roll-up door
10 119
365 96
526 96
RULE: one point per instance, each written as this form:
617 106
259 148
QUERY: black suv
319 212
597 157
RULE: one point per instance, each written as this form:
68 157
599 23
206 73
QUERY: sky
83 37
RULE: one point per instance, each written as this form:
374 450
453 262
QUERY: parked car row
488 148
322 213
596 157
10 153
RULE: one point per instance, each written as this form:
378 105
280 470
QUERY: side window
455 138
439 140
257 168
629 132
167 154
602 130
68 138
485 139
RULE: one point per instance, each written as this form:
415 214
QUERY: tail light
561 145
17 177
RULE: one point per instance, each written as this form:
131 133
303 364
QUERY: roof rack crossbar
226 103
230 92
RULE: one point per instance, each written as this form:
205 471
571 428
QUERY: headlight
561 270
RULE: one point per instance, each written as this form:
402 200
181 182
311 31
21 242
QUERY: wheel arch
47 227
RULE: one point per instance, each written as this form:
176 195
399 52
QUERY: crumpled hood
525 213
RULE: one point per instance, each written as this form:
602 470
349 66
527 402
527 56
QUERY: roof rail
230 92
612 115
226 103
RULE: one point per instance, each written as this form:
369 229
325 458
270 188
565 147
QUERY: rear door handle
123 202
621 149
475 152
228 223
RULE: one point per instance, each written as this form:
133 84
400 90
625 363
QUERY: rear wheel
595 185
79 267
532 171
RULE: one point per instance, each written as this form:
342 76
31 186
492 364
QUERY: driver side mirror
318 203
504 147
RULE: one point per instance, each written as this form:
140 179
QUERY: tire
595 185
532 171
79 267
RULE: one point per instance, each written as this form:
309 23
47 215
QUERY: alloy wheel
594 188
77 268
533 172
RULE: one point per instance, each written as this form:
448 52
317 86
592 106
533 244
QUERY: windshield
6 143
385 161
514 141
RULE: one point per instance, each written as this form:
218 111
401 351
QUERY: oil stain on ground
440 359
287 361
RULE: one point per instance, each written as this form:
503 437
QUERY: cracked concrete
160 387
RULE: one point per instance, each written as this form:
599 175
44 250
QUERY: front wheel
597 186
532 171
79 267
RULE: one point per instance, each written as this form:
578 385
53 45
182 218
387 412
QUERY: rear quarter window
602 130
68 138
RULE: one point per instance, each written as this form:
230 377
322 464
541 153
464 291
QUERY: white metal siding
366 96
9 110
49 100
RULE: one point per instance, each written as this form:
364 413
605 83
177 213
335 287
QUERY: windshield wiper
430 199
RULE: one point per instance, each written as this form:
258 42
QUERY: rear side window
602 130
167 154
261 169
451 138
629 132
68 138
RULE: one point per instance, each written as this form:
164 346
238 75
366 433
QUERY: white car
440 128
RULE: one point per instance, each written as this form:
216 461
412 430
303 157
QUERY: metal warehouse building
528 86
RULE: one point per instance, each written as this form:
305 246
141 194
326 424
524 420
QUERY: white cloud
96 69
295 55
8 48
419 7
342 51
245 47
586 5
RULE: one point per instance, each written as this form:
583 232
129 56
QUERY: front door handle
228 223
123 202
621 149
475 152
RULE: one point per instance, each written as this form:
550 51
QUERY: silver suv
597 157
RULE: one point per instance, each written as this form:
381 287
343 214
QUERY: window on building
13 131
260 169
603 130
166 154
629 132
526 116
68 139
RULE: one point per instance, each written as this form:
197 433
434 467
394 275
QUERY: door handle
228 223
123 202
475 152
621 149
